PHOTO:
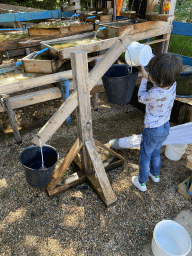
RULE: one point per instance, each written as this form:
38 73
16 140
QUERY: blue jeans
149 155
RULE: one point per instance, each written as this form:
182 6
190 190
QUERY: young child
163 71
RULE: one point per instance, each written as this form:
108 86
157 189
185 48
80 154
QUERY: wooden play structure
84 82
84 153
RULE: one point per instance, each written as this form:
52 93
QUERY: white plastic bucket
138 54
169 239
175 151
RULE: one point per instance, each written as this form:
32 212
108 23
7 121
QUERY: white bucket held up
175 151
138 54
170 239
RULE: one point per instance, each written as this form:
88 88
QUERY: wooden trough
163 30
46 65
61 30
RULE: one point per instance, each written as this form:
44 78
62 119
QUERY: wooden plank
57 119
84 119
44 95
62 168
12 118
189 162
55 52
61 31
33 98
97 143
116 28
182 189
153 16
173 5
94 76
100 180
73 180
92 47
155 41
80 78
34 82
44 31
185 100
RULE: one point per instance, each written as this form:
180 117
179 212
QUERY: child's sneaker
114 143
141 187
154 178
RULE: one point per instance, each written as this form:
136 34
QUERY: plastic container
138 54
175 151
169 239
119 83
31 160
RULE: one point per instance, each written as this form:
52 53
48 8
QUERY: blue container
119 83
31 160
121 18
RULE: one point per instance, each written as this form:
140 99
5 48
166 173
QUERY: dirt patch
76 222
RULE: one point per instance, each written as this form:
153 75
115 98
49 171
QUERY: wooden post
89 156
171 10
12 119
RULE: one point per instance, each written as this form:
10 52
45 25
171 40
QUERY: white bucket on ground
175 151
138 54
169 239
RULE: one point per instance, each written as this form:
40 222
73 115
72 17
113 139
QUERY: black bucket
31 160
119 83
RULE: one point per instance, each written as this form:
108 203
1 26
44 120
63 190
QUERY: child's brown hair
164 69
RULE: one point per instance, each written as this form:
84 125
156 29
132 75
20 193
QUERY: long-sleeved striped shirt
159 103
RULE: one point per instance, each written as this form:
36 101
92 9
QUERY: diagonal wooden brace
62 168
99 179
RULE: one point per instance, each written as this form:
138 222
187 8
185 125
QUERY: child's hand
144 73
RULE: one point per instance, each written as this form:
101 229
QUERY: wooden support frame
90 160
84 82
94 76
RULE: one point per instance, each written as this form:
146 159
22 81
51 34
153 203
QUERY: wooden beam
73 180
99 179
80 81
84 120
62 168
34 82
33 98
44 95
159 17
94 76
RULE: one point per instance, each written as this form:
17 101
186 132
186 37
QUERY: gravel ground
76 222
